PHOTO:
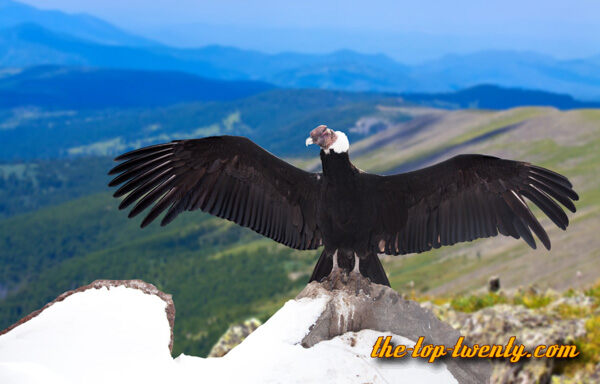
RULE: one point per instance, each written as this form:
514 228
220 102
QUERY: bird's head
328 139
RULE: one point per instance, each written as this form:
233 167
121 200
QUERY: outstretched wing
227 176
465 198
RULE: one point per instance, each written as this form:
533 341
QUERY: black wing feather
468 197
227 176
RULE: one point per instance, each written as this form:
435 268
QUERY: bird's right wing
226 176
465 198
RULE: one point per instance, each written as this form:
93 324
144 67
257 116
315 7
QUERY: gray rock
357 304
495 325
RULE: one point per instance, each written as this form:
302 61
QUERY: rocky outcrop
531 327
581 377
353 306
234 335
357 304
497 324
549 318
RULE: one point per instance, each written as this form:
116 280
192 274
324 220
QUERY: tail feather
373 269
370 267
323 267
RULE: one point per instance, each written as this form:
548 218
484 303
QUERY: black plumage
229 177
346 210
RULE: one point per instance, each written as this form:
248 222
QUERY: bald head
322 136
328 140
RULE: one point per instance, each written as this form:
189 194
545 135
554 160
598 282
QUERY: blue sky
410 31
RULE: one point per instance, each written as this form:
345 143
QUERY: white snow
92 336
121 335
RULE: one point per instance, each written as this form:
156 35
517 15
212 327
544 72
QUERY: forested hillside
275 119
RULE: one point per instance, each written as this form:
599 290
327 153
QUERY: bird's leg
335 271
335 261
356 264
356 270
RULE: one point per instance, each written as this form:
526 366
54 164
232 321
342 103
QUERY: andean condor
355 215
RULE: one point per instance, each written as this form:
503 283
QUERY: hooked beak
309 141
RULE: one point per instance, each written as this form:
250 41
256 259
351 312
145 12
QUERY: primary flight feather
353 214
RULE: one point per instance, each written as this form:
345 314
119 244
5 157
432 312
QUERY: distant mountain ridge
487 96
83 26
30 44
31 37
58 87
85 88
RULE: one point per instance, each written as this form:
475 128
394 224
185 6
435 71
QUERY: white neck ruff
341 143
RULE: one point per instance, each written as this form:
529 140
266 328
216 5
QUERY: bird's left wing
465 198
226 176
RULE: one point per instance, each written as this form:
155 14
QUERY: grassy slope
567 142
219 273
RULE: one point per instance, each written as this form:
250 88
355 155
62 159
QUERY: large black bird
353 214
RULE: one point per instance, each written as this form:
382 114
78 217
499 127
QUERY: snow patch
121 335
92 336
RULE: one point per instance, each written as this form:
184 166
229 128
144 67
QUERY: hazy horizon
405 31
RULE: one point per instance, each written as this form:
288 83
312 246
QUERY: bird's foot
336 279
336 275
352 281
358 283
344 277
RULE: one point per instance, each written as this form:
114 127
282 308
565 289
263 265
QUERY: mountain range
30 37
83 26
90 88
